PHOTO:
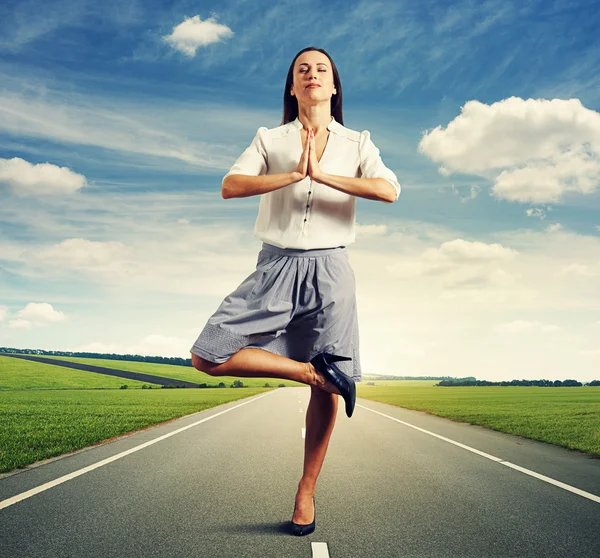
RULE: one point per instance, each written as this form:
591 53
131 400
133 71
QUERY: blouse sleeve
371 165
253 161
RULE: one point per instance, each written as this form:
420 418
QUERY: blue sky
118 121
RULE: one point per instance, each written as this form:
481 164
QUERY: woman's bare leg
257 363
320 415
320 420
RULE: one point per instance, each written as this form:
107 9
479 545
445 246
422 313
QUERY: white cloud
459 263
151 345
121 126
21 324
521 326
536 212
452 324
545 181
188 259
143 249
440 320
40 312
465 250
193 33
474 192
535 150
3 312
167 345
26 179
554 227
370 230
35 315
86 255
581 270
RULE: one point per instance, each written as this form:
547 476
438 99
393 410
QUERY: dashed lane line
319 550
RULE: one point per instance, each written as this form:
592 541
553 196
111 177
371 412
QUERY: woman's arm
244 185
375 180
378 189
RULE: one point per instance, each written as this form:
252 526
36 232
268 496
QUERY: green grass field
58 376
51 410
17 374
38 424
565 416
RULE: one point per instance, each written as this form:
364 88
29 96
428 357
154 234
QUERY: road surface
221 483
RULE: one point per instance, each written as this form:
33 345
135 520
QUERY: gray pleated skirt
297 304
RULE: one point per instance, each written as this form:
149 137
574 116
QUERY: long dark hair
290 104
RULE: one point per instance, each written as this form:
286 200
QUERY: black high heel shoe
325 364
306 529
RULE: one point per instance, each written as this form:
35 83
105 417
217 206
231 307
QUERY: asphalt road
225 486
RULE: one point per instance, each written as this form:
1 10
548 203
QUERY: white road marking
64 478
319 550
568 487
303 432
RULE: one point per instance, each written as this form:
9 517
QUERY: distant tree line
444 381
385 377
541 383
110 356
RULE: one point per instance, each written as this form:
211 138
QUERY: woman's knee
204 365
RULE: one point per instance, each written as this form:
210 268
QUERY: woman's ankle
307 486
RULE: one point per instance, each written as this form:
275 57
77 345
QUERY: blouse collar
331 126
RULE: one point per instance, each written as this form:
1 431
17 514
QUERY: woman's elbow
226 190
389 194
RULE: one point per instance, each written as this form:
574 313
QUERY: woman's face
313 67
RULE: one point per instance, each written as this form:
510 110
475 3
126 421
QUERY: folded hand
313 165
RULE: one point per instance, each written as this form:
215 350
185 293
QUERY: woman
295 316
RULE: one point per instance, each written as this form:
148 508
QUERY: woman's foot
344 385
304 512
317 379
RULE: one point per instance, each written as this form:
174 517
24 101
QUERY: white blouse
308 214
